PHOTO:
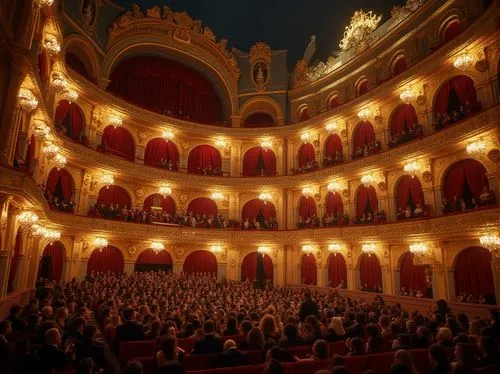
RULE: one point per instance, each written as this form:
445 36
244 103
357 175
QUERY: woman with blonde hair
403 357
312 329
110 329
336 330
269 328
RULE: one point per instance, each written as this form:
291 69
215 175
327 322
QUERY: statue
88 12
153 12
136 11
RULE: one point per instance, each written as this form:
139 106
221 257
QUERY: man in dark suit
308 306
51 356
210 343
231 356
358 329
18 325
129 331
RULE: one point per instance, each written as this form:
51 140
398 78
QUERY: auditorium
250 187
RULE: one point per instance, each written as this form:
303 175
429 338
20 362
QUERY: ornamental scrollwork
132 250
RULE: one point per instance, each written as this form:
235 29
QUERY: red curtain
305 114
115 195
258 119
158 149
253 208
166 87
119 142
363 135
365 196
249 267
306 154
257 159
56 252
167 204
70 116
405 118
452 31
42 65
13 262
74 62
409 187
60 176
473 274
307 207
468 170
200 262
411 276
333 102
400 66
203 205
337 269
203 156
333 145
109 259
369 271
151 257
308 270
30 154
363 87
464 88
333 203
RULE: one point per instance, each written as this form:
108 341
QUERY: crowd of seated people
309 222
411 292
481 299
186 117
408 213
368 218
212 171
367 150
340 285
307 167
336 159
166 307
405 136
81 138
377 288
443 120
330 220
486 198
57 203
168 164
259 223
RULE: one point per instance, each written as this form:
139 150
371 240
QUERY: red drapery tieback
167 204
468 170
200 262
249 267
109 259
202 206
365 196
337 269
306 154
115 195
411 276
150 257
409 187
60 176
369 271
158 149
308 270
255 207
119 142
473 273
203 157
257 161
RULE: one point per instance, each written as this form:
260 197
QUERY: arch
337 270
473 273
150 260
200 261
114 195
259 161
258 119
308 270
109 259
366 201
258 209
451 29
166 87
412 277
370 272
398 64
157 201
333 101
306 156
332 150
403 124
118 141
76 64
334 204
202 206
82 48
362 86
60 185
304 113
14 260
204 158
51 264
409 193
262 104
363 139
307 207
251 266
70 121
162 153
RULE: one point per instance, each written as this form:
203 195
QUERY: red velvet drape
66 180
363 87
337 269
249 267
308 270
370 272
468 170
151 257
363 135
333 145
42 64
56 252
30 154
254 208
167 204
452 31
200 262
409 187
405 118
307 207
473 274
70 116
333 102
115 195
258 119
158 149
333 203
365 196
306 154
256 159
166 87
399 66
109 259
203 205
203 156
464 88
74 62
411 276
305 114
119 142
13 262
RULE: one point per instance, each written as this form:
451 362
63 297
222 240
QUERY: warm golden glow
266 144
40 129
334 248
418 248
107 180
59 82
463 61
59 161
216 249
356 34
42 3
369 249
334 187
167 134
332 126
364 114
411 168
217 196
27 100
307 249
51 235
475 148
407 95
114 120
69 95
491 242
263 250
27 218
100 243
307 191
51 150
165 191
221 143
51 44
367 179
305 137
157 247
265 197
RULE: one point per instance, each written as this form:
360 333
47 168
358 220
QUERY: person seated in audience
400 214
320 351
419 293
488 352
438 359
51 356
312 329
231 357
465 355
487 197
403 357
231 327
375 343
169 351
280 352
444 337
418 212
336 331
18 324
88 348
408 212
210 343
355 347
130 330
474 204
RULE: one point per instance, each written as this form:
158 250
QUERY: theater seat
421 360
186 343
130 350
301 351
251 369
381 362
488 370
148 364
309 366
255 357
198 362
337 348
356 364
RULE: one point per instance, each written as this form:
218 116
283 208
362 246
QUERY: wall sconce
263 250
335 248
265 197
27 218
42 3
411 168
157 247
51 150
220 143
165 191
51 235
114 120
307 249
217 196
51 44
216 249
476 148
332 126
418 248
364 114
100 243
40 129
491 242
463 61
27 100
266 145
407 95
334 187
369 249
367 179
305 137
69 95
307 191
107 180
167 135
58 81
59 161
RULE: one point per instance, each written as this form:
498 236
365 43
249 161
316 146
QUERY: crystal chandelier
167 135
51 235
26 100
217 196
475 148
305 137
114 120
364 114
27 218
369 249
69 95
356 34
51 44
220 143
59 161
411 168
367 179
263 250
265 197
107 180
51 150
266 145
334 248
40 129
307 191
100 243
332 126
157 247
334 187
463 61
307 249
37 231
491 242
165 191
58 81
407 95
42 3
216 249
418 248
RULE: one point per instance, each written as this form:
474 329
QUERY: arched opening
466 187
308 270
76 64
51 263
109 259
257 214
334 210
258 119
202 206
200 262
333 101
258 161
399 66
367 205
30 155
412 278
13 262
168 88
410 198
474 276
162 153
70 121
256 267
205 159
364 142
455 101
118 142
110 201
160 203
452 30
304 114
337 271
59 190
404 125
333 150
362 86
370 273
150 260
307 213
307 158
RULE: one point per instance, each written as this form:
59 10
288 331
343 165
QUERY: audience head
52 337
168 346
400 369
443 334
437 354
133 367
229 344
255 339
320 349
357 345
402 356
5 327
337 326
208 326
274 367
129 314
339 370
461 368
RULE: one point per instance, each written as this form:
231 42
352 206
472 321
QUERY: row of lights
28 220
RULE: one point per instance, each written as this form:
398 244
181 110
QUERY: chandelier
51 44
305 137
217 196
157 247
266 145
51 150
42 3
332 126
167 135
411 168
69 95
407 95
100 243
356 34
367 179
369 249
334 187
216 249
26 100
334 248
265 197
307 191
491 242
307 249
364 114
58 81
107 180
220 143
165 191
37 231
263 250
418 248
51 235
59 161
476 148
114 120
463 61
40 129
27 218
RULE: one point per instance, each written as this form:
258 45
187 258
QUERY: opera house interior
327 203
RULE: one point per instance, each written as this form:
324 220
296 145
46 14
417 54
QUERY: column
324 273
495 269
320 270
221 271
139 154
4 272
356 279
386 280
351 276
450 284
289 268
21 273
82 204
177 267
82 273
396 281
66 270
235 169
34 263
234 203
128 267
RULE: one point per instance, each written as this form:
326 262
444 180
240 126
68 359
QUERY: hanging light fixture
217 196
491 242
40 129
263 250
364 114
165 191
463 61
265 197
411 168
27 100
37 231
100 243
167 135
266 145
51 44
418 248
157 247
107 180
407 95
332 126
51 235
335 248
42 3
476 148
27 218
216 249
69 95
60 161
307 249
114 120
59 81
369 249
305 137
307 191
220 143
334 187
367 179
51 150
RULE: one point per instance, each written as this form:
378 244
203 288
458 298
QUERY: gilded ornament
344 133
184 198
260 51
481 65
300 74
179 252
232 263
421 100
132 250
139 193
136 11
378 119
181 33
494 155
382 186
75 258
153 12
427 176
345 193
